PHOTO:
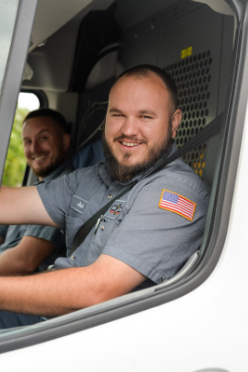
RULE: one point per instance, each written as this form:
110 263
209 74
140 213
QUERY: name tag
78 204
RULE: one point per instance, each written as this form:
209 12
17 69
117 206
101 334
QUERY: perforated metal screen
193 75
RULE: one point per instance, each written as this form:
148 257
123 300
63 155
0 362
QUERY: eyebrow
142 112
114 109
149 112
38 134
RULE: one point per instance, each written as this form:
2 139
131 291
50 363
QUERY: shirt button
102 228
162 279
72 257
110 196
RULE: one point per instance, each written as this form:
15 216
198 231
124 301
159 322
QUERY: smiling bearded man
26 248
144 117
46 141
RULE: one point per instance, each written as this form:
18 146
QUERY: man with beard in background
26 248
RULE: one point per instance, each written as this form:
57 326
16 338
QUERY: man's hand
25 257
64 291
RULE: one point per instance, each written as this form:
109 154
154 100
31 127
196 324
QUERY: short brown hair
144 70
49 113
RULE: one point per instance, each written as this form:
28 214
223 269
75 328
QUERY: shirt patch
178 204
115 209
78 204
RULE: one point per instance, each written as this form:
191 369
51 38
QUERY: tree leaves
15 162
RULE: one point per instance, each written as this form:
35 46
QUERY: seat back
88 155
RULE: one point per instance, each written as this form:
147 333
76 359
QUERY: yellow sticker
176 203
186 52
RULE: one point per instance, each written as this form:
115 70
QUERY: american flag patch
176 203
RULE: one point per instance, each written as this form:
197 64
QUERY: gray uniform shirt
137 229
13 234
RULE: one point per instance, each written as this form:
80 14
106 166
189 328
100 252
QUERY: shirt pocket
102 231
107 223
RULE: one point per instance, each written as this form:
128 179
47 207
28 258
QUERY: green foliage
15 162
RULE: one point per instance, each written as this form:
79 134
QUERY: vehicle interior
78 48
77 62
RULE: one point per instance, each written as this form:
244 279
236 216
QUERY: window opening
15 163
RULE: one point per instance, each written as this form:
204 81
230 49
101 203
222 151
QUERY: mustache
130 138
33 154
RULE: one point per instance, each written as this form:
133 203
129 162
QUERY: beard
49 168
43 172
124 173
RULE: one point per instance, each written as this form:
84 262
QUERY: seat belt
211 130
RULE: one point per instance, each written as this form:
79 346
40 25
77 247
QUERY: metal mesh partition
193 75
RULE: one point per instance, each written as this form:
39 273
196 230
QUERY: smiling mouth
39 157
130 144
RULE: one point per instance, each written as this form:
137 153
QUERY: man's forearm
51 293
25 257
22 205
48 294
63 291
10 264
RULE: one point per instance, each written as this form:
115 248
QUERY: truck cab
69 55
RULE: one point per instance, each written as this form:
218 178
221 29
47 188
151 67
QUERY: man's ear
66 141
175 122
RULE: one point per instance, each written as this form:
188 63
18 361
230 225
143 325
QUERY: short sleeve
56 196
157 241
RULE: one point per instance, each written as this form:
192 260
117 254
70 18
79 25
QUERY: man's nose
35 146
130 126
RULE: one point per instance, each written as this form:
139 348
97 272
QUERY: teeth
39 157
130 144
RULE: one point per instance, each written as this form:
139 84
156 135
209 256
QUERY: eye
146 117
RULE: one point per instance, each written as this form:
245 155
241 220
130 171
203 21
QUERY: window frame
14 72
